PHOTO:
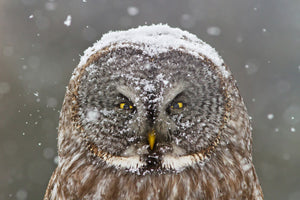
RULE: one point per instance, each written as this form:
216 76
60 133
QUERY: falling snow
292 117
36 94
251 67
132 11
270 116
68 20
293 129
213 31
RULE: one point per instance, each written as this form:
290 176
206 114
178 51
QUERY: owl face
150 114
153 113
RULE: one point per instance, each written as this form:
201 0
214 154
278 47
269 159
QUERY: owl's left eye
125 106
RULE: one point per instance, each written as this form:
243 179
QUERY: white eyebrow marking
127 92
172 93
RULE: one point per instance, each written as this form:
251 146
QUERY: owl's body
153 113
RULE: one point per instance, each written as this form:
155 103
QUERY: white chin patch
179 163
169 162
132 159
132 163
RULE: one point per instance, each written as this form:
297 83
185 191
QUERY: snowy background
40 44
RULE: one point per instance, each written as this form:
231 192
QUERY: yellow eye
125 106
177 105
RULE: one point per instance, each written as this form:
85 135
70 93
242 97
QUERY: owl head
152 100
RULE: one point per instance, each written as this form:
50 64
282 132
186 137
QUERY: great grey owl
153 113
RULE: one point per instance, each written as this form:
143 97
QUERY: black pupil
126 107
176 105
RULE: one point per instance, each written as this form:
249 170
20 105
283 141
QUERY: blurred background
41 42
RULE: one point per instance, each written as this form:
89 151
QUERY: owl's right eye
177 105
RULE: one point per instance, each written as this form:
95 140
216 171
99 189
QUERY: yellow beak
151 139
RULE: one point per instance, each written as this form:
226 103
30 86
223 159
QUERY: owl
153 113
